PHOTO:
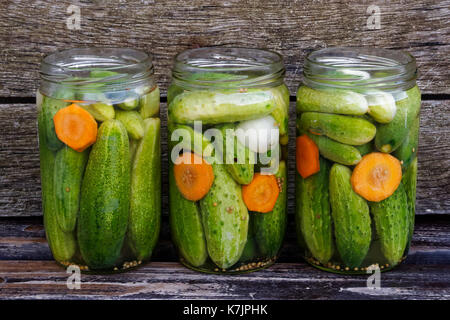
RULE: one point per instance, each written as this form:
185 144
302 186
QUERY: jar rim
356 66
249 67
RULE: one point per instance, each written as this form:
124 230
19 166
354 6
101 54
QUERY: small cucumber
191 139
145 198
281 111
350 212
99 73
331 101
225 219
149 104
212 107
382 106
391 135
269 228
133 122
105 197
313 214
409 180
392 224
336 151
68 173
365 148
241 170
62 244
407 151
344 129
100 111
186 225
130 103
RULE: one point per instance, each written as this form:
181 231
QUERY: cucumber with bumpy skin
407 151
409 180
100 111
105 197
186 225
269 227
313 214
351 218
225 219
145 198
331 101
219 107
149 104
344 129
62 244
391 221
68 174
133 122
391 135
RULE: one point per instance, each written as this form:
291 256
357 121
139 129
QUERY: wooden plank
164 28
19 160
170 280
24 239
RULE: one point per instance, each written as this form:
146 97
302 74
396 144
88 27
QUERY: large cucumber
269 228
105 197
62 244
391 135
225 219
242 171
350 212
407 151
313 214
336 151
331 101
391 221
212 107
186 225
344 129
68 173
145 197
409 181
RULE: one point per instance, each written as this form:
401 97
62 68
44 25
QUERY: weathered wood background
32 29
29 30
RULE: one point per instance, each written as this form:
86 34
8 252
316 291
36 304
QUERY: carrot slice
75 127
193 176
376 176
261 194
307 156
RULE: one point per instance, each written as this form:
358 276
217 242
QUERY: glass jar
99 129
356 151
227 120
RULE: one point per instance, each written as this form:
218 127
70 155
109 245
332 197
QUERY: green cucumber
409 181
68 174
365 148
391 135
351 218
212 107
382 106
105 197
313 214
331 101
242 170
336 151
391 221
99 73
186 225
281 111
269 227
225 219
145 197
250 252
100 111
149 104
191 140
344 129
129 104
62 244
407 151
133 122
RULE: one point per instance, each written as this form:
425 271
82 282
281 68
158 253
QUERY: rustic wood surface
27 272
33 29
20 179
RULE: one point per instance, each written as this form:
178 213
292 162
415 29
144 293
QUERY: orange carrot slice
261 194
307 156
193 176
75 127
376 176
